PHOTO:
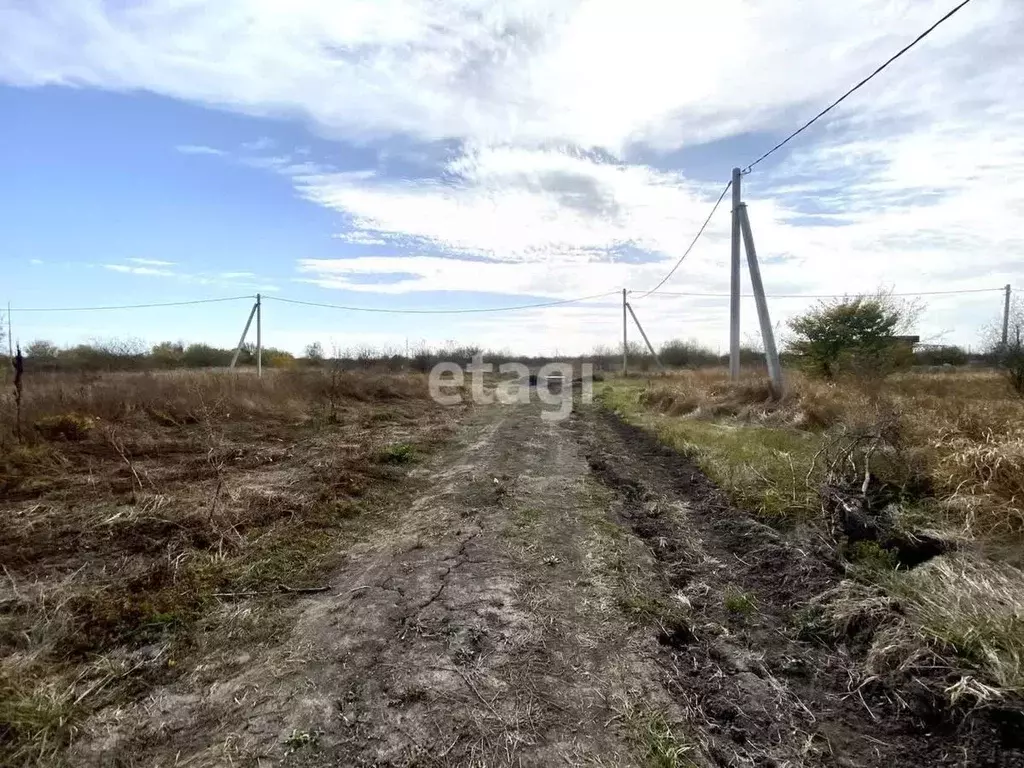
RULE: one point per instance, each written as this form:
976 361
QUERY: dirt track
564 593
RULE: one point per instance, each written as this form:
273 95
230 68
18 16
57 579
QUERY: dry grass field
136 510
917 481
327 568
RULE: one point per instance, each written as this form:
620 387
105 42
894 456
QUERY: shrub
686 354
278 358
168 354
205 356
853 335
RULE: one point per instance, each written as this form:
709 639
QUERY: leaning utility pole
1006 315
245 332
771 354
646 340
734 280
624 363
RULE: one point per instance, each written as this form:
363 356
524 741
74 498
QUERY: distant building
905 341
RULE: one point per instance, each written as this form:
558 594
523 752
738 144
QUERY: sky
461 154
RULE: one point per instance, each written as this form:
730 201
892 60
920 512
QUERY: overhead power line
131 306
438 311
692 243
859 85
831 295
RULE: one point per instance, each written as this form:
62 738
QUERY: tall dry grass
187 396
963 431
954 623
136 504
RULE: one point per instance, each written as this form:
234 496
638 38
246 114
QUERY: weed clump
399 453
65 426
742 603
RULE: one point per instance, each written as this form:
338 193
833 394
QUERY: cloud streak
198 149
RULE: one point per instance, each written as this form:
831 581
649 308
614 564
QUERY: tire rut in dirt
760 695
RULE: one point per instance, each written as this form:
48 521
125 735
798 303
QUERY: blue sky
411 154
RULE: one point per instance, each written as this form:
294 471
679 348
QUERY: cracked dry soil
557 597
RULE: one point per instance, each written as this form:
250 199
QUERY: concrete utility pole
771 354
245 332
259 338
734 281
1006 316
646 340
624 362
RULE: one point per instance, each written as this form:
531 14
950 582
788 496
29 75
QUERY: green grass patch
399 453
36 722
871 557
763 469
527 516
655 742
739 602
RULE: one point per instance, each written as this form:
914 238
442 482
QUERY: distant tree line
835 342
132 355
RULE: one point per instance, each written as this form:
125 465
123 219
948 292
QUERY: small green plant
655 741
811 624
298 739
871 556
662 747
35 724
399 453
739 602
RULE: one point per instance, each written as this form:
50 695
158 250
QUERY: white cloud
152 262
259 145
130 270
248 281
358 237
35 262
399 275
522 205
198 149
602 73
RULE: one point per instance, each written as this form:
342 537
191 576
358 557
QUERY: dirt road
562 593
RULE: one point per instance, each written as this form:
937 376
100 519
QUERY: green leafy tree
853 335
